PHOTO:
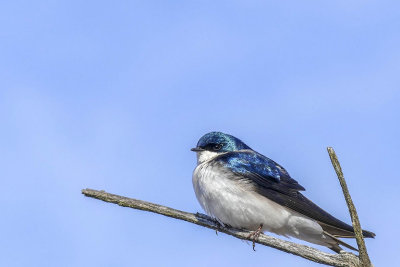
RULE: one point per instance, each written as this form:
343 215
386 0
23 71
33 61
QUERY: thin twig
342 259
364 258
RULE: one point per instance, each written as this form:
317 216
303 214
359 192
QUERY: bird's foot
220 225
254 235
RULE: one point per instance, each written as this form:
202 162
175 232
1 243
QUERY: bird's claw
254 235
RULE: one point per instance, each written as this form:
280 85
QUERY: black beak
197 149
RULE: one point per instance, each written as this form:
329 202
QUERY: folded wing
274 182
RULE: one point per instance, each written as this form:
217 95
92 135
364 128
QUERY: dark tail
368 234
345 230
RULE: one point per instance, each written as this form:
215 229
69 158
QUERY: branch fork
342 259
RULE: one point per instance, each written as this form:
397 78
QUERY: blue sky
112 95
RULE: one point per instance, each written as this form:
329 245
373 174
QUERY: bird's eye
217 147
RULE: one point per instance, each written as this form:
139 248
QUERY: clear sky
112 95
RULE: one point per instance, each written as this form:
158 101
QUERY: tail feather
336 247
344 233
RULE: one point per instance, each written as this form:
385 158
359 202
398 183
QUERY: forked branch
342 259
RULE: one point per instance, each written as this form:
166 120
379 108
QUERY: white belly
234 202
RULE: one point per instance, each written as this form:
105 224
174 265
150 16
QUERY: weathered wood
342 259
363 254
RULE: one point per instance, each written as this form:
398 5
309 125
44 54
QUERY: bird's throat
203 156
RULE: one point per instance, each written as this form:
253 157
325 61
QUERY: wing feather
274 182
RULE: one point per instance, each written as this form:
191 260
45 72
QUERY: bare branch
342 259
364 258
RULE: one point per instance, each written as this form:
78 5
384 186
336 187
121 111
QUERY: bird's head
214 143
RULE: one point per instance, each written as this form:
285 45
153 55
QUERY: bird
241 188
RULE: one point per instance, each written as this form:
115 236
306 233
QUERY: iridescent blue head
219 142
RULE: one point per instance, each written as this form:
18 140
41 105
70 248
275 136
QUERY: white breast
234 202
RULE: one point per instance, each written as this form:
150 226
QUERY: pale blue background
112 95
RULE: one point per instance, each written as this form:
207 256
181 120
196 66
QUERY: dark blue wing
259 169
274 182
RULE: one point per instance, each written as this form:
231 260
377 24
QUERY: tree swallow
243 189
